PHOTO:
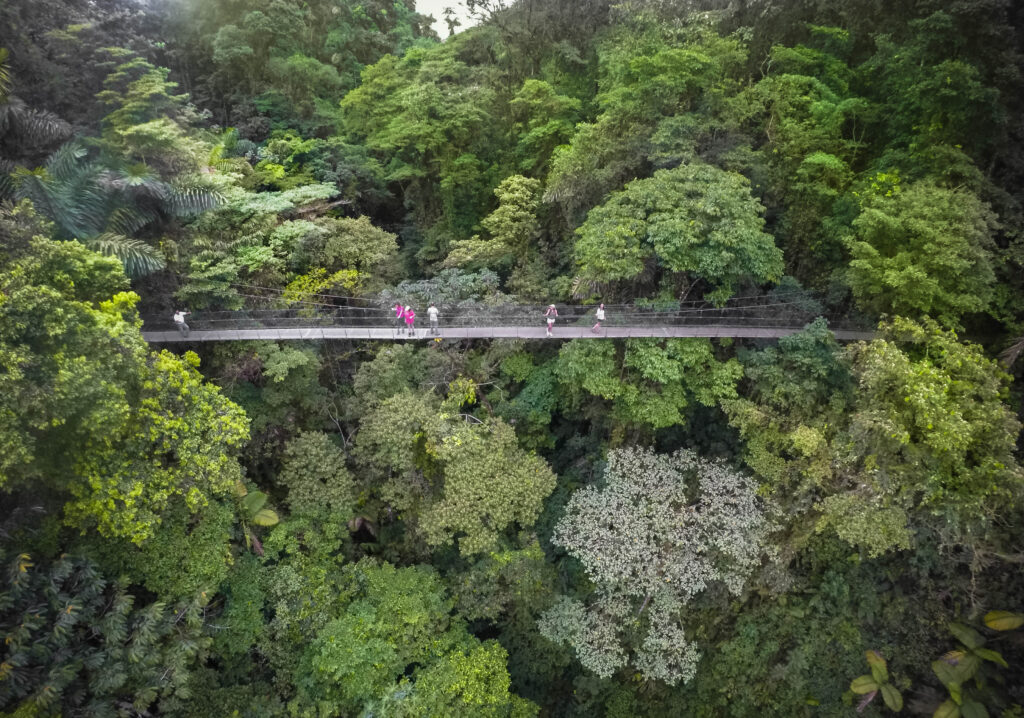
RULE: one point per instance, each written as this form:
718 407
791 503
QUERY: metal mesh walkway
761 320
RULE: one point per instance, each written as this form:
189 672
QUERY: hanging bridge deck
486 332
748 318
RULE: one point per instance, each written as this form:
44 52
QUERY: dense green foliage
595 527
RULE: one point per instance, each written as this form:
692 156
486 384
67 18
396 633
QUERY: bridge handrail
777 315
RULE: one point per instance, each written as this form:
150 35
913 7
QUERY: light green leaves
315 475
649 382
659 532
1004 620
923 251
469 480
877 682
695 220
930 417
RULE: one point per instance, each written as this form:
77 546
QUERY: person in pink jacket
410 319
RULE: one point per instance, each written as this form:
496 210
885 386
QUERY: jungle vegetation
644 527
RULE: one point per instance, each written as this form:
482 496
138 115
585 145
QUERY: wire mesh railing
778 314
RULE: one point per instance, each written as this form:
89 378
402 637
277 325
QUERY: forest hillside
799 526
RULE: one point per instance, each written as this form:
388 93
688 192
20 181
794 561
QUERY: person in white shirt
600 318
552 315
432 316
179 321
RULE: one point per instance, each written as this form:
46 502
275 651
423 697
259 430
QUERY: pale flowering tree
662 528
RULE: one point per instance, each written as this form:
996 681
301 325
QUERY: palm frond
1010 355
129 219
42 127
35 185
137 257
74 204
6 181
5 75
137 181
189 199
63 164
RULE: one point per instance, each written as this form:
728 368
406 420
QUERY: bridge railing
764 315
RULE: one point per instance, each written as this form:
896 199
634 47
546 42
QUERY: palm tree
103 206
21 126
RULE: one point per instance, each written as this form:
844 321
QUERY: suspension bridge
746 317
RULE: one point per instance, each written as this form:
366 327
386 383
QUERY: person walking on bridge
179 322
600 318
399 313
410 319
552 315
432 316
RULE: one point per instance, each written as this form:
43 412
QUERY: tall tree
90 413
659 530
692 223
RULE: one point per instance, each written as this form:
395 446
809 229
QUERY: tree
90 412
513 228
22 127
650 382
797 398
658 532
922 251
334 244
930 431
544 120
77 645
696 221
473 681
649 73
146 123
432 114
103 207
315 475
489 485
399 623
467 480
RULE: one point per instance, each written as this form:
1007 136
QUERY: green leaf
966 635
989 655
968 667
1003 620
254 502
878 667
863 684
973 709
956 667
892 697
265 517
949 709
945 671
